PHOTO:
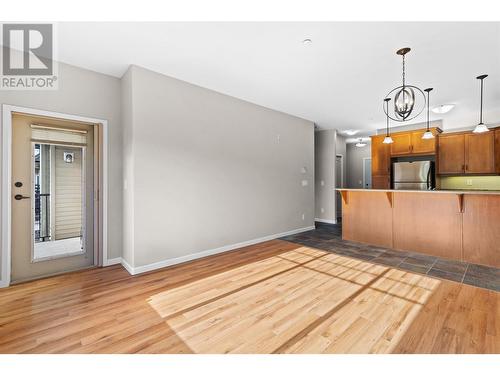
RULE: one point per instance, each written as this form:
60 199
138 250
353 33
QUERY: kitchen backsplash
470 183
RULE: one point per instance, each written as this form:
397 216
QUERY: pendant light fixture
388 138
481 128
409 100
428 134
360 143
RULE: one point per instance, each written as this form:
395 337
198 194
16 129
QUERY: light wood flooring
274 297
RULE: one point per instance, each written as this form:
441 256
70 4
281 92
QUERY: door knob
18 197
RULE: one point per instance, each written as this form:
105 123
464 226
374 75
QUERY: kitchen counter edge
473 192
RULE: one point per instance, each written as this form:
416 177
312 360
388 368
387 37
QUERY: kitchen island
454 224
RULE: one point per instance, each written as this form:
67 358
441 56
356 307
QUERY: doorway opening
367 173
53 194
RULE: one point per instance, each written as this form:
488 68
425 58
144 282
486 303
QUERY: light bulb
428 135
481 128
388 140
404 101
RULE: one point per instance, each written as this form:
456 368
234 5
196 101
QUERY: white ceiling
338 81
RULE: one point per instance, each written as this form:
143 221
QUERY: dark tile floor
329 237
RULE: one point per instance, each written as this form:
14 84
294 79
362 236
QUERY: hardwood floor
274 297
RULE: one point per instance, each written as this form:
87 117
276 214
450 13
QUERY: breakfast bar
458 225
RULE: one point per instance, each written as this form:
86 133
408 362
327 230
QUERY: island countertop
444 191
455 224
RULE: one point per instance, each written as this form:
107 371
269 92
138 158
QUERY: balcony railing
42 211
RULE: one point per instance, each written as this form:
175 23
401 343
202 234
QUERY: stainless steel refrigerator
413 175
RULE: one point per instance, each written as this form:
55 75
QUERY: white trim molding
326 221
202 254
364 173
6 189
113 261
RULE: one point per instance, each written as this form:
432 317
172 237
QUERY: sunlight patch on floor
304 300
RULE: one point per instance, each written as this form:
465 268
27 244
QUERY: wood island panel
481 233
428 223
367 217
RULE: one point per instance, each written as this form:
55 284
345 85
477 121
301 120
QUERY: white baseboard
128 267
326 221
186 258
113 261
203 254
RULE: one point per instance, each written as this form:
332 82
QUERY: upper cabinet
411 143
401 144
381 157
451 154
423 146
480 153
466 153
497 150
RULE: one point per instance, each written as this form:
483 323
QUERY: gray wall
90 94
354 164
205 170
324 160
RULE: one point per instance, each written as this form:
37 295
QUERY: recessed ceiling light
307 41
351 132
443 108
360 143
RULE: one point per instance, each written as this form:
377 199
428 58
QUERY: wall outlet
468 182
322 210
322 183
303 216
305 183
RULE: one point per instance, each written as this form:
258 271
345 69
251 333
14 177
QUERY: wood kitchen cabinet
497 150
480 153
381 157
381 182
401 144
411 143
423 146
451 153
466 153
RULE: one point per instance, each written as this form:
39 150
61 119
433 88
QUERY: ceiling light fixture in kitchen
443 108
481 128
409 100
428 134
388 138
351 132
360 143
307 41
